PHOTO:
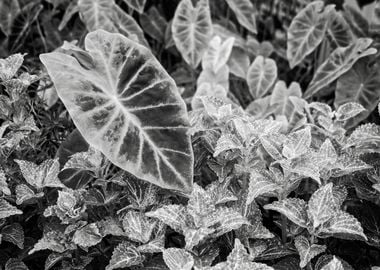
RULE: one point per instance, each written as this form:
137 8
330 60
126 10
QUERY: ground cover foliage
183 135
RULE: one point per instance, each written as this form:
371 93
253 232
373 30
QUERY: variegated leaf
238 62
43 175
338 63
178 259
172 215
297 143
125 255
192 30
126 105
106 15
261 76
137 5
306 251
321 206
3 183
13 233
10 65
348 110
294 209
334 264
245 13
217 53
200 205
7 210
87 236
91 160
259 185
342 225
339 30
194 236
220 193
226 220
306 31
138 227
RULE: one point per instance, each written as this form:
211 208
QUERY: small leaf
194 236
261 76
217 54
306 31
338 63
172 215
7 210
321 206
306 251
87 236
297 143
343 225
178 259
25 194
15 264
259 185
226 220
138 227
14 233
91 160
124 255
348 111
66 201
3 184
192 29
200 205
245 13
334 264
294 209
10 65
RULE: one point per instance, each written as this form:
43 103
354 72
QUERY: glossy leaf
306 31
124 255
178 259
261 76
245 13
338 63
192 30
128 110
294 209
306 251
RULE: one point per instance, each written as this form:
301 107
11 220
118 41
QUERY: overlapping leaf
124 255
178 259
137 5
261 76
294 209
126 105
217 54
321 205
192 29
306 250
138 227
7 210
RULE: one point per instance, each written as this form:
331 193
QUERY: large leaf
192 30
125 105
306 250
106 15
245 13
339 30
294 209
261 76
15 264
217 54
360 85
306 31
338 63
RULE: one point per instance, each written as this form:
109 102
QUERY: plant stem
283 228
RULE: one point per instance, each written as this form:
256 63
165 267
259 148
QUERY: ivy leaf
127 116
261 76
10 65
15 264
334 264
307 31
306 251
338 63
40 176
178 259
348 111
26 194
172 215
259 184
245 13
13 233
297 143
217 54
137 5
91 160
192 29
87 236
7 210
342 225
124 255
138 227
321 206
3 184
294 209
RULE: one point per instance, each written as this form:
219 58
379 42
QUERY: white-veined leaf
15 264
91 160
215 79
306 31
334 264
106 15
261 76
87 236
294 209
321 206
217 53
259 185
226 220
200 205
194 236
10 65
306 251
342 225
348 110
125 255
178 259
7 210
172 215
357 22
297 143
224 33
338 63
13 233
137 5
125 105
3 183
138 227
238 63
192 30
339 30
245 13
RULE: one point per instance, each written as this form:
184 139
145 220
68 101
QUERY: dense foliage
183 135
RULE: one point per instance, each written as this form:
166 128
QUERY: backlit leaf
261 76
294 209
128 109
306 251
124 255
245 13
306 31
192 30
178 259
338 63
7 210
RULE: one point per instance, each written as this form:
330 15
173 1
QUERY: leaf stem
283 228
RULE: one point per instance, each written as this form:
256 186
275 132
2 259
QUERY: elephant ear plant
126 105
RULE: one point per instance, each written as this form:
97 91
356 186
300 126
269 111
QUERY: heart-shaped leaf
338 63
306 31
137 5
261 76
192 30
125 105
245 13
217 54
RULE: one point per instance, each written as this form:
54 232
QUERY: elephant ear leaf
126 105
